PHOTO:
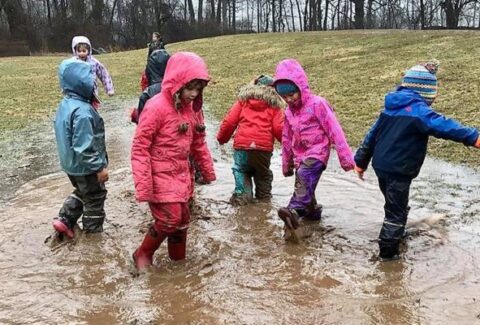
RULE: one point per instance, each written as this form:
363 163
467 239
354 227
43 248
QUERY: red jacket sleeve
230 123
277 124
141 157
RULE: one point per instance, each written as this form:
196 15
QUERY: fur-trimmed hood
261 92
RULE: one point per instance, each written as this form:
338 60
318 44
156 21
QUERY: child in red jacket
167 134
257 118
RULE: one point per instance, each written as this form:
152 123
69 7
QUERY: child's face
82 53
291 98
154 37
188 94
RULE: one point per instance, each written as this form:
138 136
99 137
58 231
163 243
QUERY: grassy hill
352 69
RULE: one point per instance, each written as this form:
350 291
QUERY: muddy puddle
239 270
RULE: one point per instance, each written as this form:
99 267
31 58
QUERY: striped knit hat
422 79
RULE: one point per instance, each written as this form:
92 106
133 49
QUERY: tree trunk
191 11
97 11
293 15
318 23
259 14
280 15
305 15
200 11
325 19
299 15
359 13
219 12
212 10
49 14
113 13
224 13
234 15
422 14
274 20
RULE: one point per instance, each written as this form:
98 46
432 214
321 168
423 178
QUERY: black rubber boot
389 250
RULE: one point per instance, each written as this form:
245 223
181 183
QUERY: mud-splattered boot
241 199
64 227
389 250
290 218
143 256
177 245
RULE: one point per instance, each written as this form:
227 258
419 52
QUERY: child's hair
193 84
196 84
82 46
156 34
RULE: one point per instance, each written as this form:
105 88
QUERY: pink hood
310 130
182 68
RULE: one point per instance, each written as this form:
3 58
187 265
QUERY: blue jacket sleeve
83 143
365 151
439 126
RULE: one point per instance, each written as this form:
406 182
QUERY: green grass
352 69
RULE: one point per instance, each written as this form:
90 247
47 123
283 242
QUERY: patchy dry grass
353 70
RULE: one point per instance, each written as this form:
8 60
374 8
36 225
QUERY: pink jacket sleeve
287 153
141 157
229 123
335 134
104 76
277 124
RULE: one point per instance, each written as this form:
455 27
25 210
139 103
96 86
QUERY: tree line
48 25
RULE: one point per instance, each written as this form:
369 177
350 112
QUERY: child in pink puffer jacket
310 129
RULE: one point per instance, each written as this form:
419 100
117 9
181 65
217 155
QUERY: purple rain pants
307 176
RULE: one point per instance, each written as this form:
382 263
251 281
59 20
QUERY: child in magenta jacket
256 118
310 129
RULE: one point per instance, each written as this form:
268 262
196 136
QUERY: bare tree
453 9
359 13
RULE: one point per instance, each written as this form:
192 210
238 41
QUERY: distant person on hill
168 133
256 118
82 50
397 142
80 136
310 129
156 43
154 72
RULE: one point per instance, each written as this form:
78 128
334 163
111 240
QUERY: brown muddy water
239 269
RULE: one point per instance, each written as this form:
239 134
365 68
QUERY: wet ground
239 269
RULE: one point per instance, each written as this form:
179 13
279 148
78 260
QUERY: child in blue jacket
397 142
80 135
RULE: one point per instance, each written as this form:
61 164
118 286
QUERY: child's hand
134 115
102 176
359 172
477 144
